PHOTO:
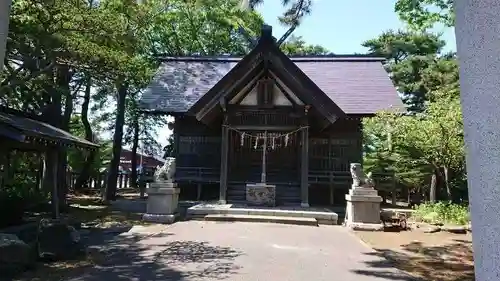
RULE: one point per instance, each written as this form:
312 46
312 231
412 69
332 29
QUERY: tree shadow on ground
451 262
156 258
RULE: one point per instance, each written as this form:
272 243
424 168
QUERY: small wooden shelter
28 132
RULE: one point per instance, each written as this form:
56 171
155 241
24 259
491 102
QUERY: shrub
442 212
14 201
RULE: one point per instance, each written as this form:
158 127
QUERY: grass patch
91 210
442 212
88 210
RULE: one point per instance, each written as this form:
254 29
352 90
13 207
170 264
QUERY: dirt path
432 256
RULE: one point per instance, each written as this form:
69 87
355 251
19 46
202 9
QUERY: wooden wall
197 149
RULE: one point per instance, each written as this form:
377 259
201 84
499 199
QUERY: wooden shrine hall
292 122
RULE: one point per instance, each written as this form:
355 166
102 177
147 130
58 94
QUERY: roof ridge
295 58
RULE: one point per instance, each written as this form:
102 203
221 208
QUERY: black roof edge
161 112
295 58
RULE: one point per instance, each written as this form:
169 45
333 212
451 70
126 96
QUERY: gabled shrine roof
357 84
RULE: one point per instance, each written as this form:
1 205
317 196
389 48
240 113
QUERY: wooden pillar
41 170
330 173
50 179
304 182
223 163
198 191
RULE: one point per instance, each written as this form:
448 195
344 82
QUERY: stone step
257 218
201 210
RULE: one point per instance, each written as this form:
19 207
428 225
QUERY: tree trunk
135 145
63 85
447 183
110 192
52 114
432 191
84 176
4 28
394 198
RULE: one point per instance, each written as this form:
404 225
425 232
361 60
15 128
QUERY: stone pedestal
261 194
163 199
363 209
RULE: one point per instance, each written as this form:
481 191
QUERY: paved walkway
197 250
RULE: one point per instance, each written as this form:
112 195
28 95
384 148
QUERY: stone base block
163 198
365 226
363 206
157 218
261 194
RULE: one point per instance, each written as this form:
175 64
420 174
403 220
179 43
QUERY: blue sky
341 26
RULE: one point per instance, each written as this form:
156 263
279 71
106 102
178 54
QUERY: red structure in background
142 161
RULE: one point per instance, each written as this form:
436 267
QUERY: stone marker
261 194
363 202
163 195
57 240
478 44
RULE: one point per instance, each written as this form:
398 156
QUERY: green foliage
76 157
20 191
442 212
295 10
297 46
424 14
414 64
429 140
420 144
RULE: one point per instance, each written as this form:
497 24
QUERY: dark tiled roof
357 84
38 129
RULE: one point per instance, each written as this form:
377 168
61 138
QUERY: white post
4 27
478 45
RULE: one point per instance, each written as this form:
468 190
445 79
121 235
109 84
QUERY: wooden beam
249 89
231 91
330 167
264 128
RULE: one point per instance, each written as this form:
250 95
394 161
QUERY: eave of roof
40 131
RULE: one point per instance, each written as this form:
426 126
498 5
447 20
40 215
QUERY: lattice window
199 151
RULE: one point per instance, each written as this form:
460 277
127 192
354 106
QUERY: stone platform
321 215
264 219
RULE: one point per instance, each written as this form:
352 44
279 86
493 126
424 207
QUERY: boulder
15 255
57 240
456 229
431 229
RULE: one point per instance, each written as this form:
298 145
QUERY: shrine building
292 122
